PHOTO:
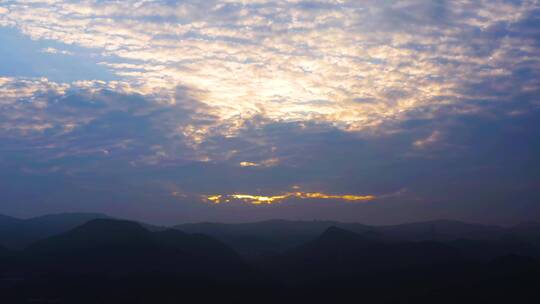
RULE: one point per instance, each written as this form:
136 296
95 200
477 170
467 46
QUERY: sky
167 111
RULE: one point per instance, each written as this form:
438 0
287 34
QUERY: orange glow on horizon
214 198
268 200
248 164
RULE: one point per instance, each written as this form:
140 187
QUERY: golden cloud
268 200
265 163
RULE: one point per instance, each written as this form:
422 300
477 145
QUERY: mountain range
260 238
93 258
18 233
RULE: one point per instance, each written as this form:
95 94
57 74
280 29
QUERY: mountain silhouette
19 233
341 264
124 262
8 221
486 250
441 230
529 231
277 236
270 237
105 260
105 245
338 253
4 252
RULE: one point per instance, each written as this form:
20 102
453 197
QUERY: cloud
249 97
269 200
51 50
280 59
265 163
428 141
149 155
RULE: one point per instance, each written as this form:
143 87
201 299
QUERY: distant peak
336 232
171 232
9 218
114 222
110 226
334 229
71 215
529 224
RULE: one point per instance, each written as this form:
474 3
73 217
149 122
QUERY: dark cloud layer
482 166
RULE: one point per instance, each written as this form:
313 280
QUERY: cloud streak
269 200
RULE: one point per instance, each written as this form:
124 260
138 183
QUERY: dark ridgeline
95 259
114 261
424 271
338 256
269 237
18 233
